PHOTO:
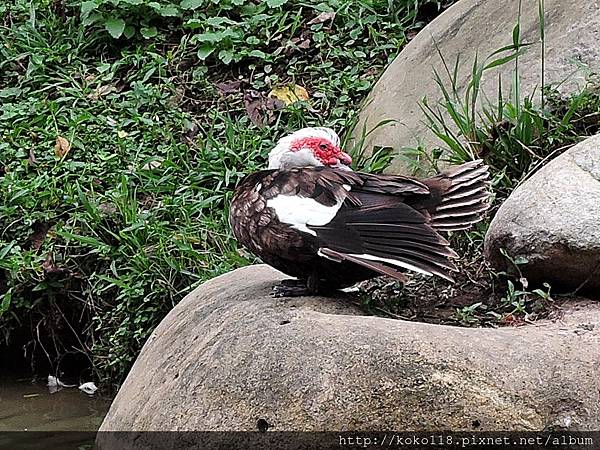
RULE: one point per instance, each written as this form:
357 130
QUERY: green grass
98 244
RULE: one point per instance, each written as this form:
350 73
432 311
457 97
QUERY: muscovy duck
311 217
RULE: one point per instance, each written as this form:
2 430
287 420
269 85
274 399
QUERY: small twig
592 273
532 171
37 328
391 314
84 349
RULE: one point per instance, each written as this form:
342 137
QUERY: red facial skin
324 151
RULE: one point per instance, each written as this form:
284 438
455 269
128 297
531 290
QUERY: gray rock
231 357
553 221
467 28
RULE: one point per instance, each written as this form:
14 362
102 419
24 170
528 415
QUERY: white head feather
281 157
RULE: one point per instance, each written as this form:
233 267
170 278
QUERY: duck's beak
345 158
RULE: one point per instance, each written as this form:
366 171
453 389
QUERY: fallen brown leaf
323 17
62 147
297 43
154 164
191 133
229 87
289 94
107 208
49 266
38 236
32 159
305 44
101 91
253 103
411 34
261 109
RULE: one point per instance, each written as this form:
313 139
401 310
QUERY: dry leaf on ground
62 147
229 87
50 266
261 109
101 91
32 159
154 164
323 17
38 235
289 94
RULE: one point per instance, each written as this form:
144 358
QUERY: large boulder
468 28
552 221
231 357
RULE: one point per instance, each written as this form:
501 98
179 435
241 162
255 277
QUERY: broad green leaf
148 32
10 92
226 56
257 54
193 24
87 7
169 11
191 4
115 26
218 21
275 3
205 51
92 18
6 300
129 31
519 260
209 37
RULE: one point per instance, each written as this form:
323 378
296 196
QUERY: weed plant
516 134
125 126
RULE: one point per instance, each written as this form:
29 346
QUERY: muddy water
27 406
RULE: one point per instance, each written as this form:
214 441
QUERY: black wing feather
393 218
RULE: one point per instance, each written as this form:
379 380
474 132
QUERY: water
27 406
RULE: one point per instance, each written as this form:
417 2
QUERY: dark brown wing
257 226
385 223
398 219
323 184
458 197
389 232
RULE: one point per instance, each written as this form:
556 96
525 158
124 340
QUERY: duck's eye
323 146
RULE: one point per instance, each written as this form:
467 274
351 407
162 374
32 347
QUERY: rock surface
482 26
231 357
553 221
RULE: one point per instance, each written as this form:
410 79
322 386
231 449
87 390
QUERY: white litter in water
55 385
350 290
89 388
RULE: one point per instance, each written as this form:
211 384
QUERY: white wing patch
394 262
301 211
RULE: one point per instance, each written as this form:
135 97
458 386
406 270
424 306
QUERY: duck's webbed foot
302 288
291 288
